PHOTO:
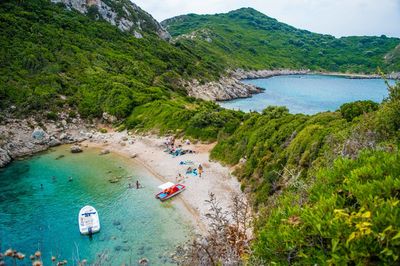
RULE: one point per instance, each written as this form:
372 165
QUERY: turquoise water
133 223
310 94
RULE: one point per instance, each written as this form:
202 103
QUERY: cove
134 224
310 94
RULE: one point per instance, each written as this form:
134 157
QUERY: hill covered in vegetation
326 187
246 38
52 58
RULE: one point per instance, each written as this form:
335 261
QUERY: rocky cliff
124 14
226 88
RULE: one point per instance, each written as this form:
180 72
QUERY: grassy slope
247 38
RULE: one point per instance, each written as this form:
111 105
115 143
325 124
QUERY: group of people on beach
176 150
190 170
171 148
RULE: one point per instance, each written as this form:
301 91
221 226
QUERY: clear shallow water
133 224
310 94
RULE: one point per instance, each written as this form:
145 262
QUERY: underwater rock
126 248
114 180
60 156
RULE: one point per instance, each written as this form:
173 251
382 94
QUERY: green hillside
47 51
325 188
246 38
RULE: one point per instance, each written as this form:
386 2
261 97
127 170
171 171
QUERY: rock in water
76 149
4 158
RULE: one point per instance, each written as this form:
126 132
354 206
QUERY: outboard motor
90 231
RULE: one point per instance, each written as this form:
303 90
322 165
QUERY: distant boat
169 190
88 220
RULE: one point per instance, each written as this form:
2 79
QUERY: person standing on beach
200 168
137 184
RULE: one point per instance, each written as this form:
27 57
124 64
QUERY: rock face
124 14
4 158
227 88
18 139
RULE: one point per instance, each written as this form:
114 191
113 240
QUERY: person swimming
70 179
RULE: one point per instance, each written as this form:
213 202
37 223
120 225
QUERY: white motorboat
88 220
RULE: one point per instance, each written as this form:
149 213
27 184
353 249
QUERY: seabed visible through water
134 224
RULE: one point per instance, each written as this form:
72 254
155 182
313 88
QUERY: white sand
149 151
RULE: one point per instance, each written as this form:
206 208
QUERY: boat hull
88 220
163 196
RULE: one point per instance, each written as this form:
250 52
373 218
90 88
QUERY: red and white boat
169 190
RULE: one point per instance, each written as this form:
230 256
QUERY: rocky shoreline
24 137
231 87
226 88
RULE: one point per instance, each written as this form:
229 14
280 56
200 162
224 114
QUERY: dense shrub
198 119
351 110
352 216
52 116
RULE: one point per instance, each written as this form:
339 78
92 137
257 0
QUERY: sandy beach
149 152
